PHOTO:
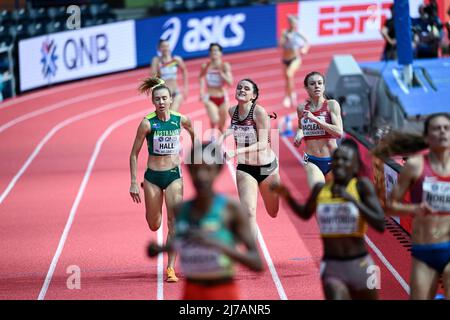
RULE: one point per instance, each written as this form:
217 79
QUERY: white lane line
160 263
54 130
77 201
377 251
80 193
262 243
389 266
66 87
65 103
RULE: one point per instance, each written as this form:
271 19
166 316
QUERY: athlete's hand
134 192
304 50
153 249
308 115
298 139
204 98
424 209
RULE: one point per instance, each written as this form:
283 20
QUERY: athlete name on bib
214 79
436 194
245 134
166 144
197 260
310 128
337 218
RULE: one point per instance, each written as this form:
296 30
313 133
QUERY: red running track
64 199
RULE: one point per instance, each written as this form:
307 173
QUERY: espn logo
350 19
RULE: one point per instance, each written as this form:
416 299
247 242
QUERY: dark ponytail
398 143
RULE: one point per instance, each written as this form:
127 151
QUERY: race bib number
337 218
436 194
245 134
166 144
310 128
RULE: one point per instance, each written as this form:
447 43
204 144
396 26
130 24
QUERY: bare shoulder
365 185
184 118
414 164
226 66
178 58
301 106
260 114
144 126
260 110
333 104
155 60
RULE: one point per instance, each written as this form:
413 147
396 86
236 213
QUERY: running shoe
171 277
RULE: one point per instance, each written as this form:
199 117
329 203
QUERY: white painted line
77 201
54 130
65 103
160 263
388 265
66 87
262 243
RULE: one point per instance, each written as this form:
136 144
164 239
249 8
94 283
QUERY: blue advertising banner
189 35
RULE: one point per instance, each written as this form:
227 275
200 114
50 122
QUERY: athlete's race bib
169 71
310 128
197 261
293 41
164 145
436 194
214 79
337 218
245 134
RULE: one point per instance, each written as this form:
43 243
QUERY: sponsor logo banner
189 35
76 54
326 22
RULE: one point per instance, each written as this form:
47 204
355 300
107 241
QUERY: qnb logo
48 59
87 51
351 19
